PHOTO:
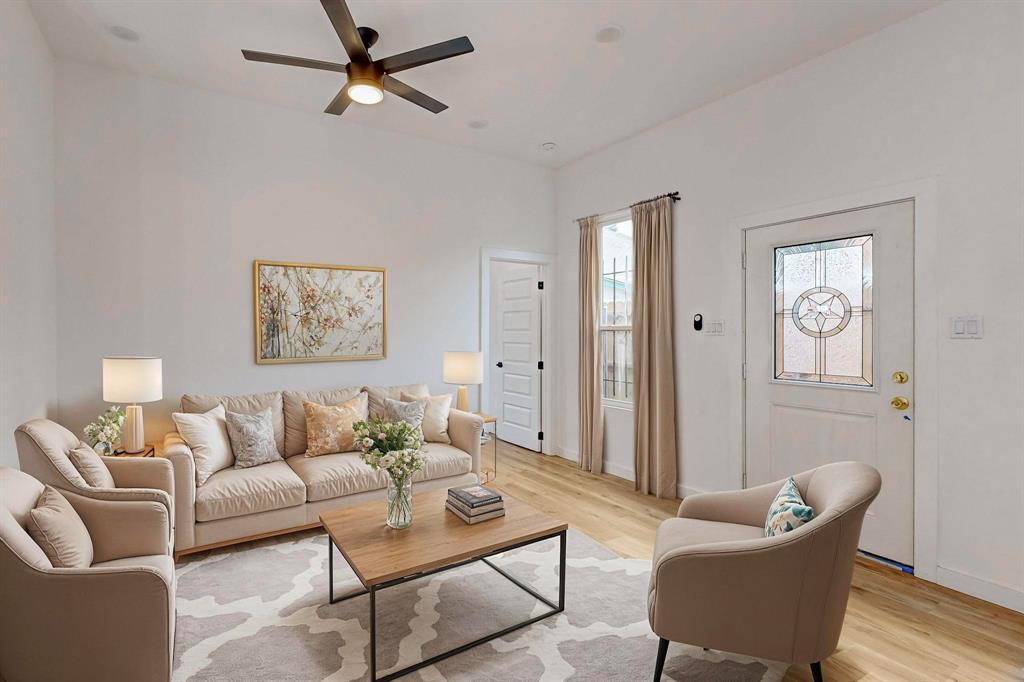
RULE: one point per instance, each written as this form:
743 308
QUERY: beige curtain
591 422
654 408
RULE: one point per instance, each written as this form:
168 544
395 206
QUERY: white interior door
516 353
829 324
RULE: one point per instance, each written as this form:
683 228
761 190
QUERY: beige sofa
111 621
234 505
719 583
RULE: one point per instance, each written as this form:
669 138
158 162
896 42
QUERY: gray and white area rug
259 611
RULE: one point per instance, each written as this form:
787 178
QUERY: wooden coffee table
437 541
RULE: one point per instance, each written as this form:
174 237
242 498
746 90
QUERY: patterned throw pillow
252 438
435 416
410 412
788 511
329 427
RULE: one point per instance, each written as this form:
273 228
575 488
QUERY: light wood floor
897 627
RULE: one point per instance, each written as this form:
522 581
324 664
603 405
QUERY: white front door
829 339
516 353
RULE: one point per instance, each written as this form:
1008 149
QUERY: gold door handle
900 377
900 403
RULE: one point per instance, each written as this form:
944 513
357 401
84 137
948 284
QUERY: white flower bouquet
103 433
393 447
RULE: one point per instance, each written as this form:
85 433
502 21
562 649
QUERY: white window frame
604 221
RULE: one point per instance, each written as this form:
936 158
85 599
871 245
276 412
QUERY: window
616 323
823 312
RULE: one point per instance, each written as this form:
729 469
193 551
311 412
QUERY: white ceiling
537 74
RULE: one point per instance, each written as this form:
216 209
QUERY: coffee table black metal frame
372 590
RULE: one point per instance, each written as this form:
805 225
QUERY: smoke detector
548 146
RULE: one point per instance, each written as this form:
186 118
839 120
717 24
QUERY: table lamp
462 368
131 381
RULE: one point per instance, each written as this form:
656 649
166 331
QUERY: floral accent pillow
787 511
329 428
435 416
252 438
410 412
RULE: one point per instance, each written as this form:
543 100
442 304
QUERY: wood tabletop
436 538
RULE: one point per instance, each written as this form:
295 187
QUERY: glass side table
489 437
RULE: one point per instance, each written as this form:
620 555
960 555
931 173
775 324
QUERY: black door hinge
540 435
540 285
540 365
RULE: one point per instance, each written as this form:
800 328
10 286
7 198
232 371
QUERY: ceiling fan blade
425 55
345 27
271 58
397 87
339 103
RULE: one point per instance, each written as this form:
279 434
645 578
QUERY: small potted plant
103 433
393 447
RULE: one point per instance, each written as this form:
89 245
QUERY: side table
148 451
491 436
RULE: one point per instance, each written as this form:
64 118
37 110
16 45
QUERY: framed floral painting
306 312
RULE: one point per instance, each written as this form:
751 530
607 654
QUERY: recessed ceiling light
609 34
477 124
548 146
124 33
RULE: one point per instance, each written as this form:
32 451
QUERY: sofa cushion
379 393
331 428
236 492
330 476
247 403
59 531
207 436
295 416
92 468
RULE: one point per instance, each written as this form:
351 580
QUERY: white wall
28 320
167 194
940 96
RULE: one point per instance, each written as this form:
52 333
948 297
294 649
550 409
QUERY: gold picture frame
314 312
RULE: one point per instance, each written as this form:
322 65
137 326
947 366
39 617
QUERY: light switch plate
714 327
967 327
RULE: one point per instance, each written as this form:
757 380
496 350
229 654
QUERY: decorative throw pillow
252 438
329 427
207 435
435 417
91 466
787 511
58 530
410 412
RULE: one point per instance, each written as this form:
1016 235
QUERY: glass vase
399 503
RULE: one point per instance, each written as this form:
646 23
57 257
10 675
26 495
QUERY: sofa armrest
141 472
464 429
745 507
123 528
184 467
58 614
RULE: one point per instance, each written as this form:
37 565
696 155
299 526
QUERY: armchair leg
660 664
816 671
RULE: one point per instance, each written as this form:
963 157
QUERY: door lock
900 403
900 377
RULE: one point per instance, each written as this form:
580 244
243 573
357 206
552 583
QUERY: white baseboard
565 453
620 471
982 589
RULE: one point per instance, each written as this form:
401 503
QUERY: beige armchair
43 447
111 621
718 583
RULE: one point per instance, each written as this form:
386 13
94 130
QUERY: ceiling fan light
365 92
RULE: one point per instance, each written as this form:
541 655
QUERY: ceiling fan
368 77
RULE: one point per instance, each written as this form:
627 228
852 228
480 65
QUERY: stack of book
475 503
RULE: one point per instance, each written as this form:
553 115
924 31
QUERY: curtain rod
674 196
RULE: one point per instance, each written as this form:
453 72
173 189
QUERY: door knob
900 377
500 364
900 403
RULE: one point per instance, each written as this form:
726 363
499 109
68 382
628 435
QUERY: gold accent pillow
329 427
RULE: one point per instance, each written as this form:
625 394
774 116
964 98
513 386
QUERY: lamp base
133 433
462 399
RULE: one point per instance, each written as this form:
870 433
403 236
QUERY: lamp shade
132 380
463 367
